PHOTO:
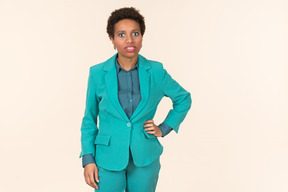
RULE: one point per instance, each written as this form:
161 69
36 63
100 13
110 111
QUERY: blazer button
128 124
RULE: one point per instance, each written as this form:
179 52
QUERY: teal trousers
131 179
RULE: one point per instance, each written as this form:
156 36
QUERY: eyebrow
121 31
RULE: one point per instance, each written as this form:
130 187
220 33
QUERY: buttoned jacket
107 132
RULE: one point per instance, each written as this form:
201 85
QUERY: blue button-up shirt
129 96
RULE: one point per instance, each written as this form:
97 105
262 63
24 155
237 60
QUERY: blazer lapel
144 80
112 85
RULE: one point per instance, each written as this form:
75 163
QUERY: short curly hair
124 13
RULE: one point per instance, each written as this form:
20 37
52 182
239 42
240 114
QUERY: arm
89 131
89 127
181 101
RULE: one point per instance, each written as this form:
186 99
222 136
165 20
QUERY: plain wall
231 55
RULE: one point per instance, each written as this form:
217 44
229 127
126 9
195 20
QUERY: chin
130 55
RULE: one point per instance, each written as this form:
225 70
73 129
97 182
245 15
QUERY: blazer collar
110 63
118 67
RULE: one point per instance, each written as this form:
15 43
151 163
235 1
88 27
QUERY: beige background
230 54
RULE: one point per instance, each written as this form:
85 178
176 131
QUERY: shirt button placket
129 92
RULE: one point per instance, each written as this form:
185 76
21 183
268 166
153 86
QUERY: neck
127 63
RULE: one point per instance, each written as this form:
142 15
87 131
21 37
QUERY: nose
129 39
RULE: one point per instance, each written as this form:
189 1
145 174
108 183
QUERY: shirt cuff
165 129
87 159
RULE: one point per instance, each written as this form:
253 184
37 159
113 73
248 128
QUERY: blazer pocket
102 140
149 136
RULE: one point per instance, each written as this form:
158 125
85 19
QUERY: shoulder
96 72
155 65
104 66
97 67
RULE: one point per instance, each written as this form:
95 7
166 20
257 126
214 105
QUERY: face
127 38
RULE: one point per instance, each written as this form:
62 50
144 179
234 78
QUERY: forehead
126 25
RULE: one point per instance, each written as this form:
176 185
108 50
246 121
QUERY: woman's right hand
91 174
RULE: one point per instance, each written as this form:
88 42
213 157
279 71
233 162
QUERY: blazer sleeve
89 127
181 101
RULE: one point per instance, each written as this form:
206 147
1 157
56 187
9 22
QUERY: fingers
91 174
149 121
151 132
96 176
92 181
87 180
149 125
150 129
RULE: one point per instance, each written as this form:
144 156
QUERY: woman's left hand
153 129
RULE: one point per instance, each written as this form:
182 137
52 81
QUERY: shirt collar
118 67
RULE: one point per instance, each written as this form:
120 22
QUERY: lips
130 48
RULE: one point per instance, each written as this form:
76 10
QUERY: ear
112 40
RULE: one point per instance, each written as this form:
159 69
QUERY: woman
123 152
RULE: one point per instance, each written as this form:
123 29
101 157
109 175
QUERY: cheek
117 44
139 41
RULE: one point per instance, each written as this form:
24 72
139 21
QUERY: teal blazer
110 139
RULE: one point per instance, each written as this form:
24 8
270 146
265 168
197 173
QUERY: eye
135 34
121 35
